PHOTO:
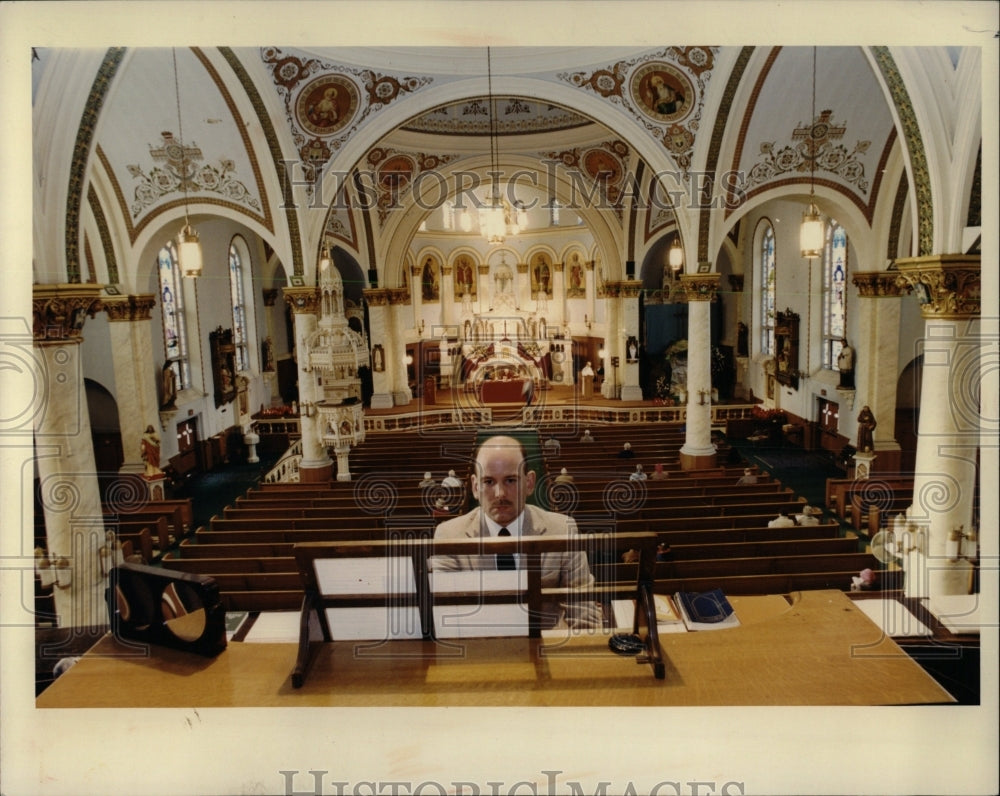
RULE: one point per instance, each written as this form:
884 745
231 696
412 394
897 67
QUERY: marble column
523 288
417 295
380 327
485 292
951 422
591 288
64 454
270 297
612 341
631 389
316 464
557 304
398 298
135 381
698 451
448 295
879 306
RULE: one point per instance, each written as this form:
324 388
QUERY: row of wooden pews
712 531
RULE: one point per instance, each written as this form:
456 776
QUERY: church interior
273 286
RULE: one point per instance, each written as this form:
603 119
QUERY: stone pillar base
402 398
631 392
382 400
315 474
691 461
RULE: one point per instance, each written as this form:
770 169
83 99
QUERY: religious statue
168 387
866 429
845 364
149 448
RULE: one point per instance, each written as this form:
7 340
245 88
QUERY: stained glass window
834 292
172 310
239 307
767 290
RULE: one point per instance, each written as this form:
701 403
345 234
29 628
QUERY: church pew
286 534
178 518
869 517
232 564
780 583
157 529
140 542
742 567
841 492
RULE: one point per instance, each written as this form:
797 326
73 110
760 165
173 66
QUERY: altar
504 391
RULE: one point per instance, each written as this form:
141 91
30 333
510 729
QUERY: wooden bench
317 600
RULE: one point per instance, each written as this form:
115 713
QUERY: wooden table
817 650
502 391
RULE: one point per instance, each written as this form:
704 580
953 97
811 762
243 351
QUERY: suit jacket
559 569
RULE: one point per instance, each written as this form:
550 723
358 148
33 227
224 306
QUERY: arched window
239 307
834 292
172 309
767 291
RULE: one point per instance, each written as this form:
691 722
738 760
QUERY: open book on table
668 619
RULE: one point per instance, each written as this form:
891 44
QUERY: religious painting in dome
662 91
326 105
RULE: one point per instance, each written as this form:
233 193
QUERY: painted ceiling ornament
326 105
181 172
816 150
662 91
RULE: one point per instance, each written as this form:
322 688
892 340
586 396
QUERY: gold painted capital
700 287
129 308
59 311
376 296
946 285
398 295
877 284
302 300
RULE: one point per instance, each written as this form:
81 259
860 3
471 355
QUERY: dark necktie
505 560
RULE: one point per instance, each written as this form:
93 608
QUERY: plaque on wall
223 365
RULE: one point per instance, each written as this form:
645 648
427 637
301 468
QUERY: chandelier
498 219
188 244
811 231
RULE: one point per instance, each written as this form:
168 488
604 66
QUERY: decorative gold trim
376 296
877 284
947 285
129 308
398 295
700 287
59 311
303 300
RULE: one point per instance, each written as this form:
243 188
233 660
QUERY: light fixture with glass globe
188 245
811 231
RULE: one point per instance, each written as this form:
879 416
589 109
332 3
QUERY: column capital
376 296
522 268
447 269
129 308
878 284
484 269
626 289
946 285
59 311
416 270
700 287
558 268
398 295
303 300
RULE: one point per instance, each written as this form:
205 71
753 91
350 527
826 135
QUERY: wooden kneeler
418 548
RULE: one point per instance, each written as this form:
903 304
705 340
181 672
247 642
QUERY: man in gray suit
501 483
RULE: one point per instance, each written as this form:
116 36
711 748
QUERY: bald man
501 483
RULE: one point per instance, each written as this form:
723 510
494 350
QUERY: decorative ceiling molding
514 116
326 103
81 156
102 228
914 147
664 91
